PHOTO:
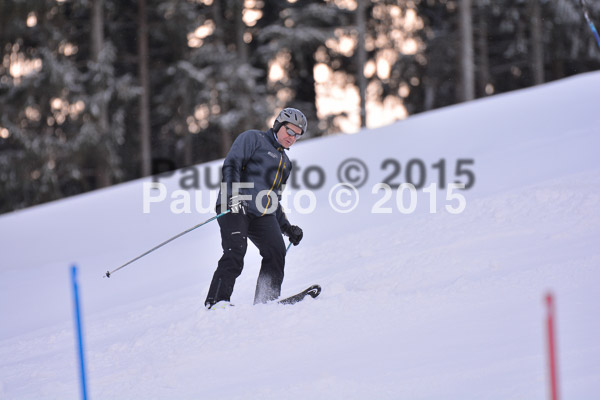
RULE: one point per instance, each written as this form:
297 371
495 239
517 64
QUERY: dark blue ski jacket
257 158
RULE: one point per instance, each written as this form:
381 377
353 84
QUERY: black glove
294 233
236 205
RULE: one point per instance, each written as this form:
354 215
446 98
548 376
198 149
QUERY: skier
254 171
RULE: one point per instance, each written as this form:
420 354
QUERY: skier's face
284 138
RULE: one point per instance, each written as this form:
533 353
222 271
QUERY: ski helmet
293 116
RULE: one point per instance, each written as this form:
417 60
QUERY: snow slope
418 305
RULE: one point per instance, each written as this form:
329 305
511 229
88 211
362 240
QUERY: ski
312 291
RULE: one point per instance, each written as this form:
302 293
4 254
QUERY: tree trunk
361 59
188 155
225 138
144 115
557 56
467 68
103 172
97 28
218 19
240 29
537 45
428 95
483 65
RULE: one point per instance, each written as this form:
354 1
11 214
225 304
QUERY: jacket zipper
274 182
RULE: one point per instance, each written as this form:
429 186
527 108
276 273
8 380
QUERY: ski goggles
292 133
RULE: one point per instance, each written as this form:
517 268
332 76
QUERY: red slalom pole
552 347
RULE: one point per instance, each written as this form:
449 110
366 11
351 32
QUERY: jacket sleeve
282 219
241 151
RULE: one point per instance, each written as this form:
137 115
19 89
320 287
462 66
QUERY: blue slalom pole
590 23
78 331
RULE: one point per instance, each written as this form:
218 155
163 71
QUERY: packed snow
442 301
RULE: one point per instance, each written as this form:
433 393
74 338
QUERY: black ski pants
265 233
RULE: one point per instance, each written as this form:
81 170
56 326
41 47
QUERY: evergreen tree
517 43
57 142
295 35
71 82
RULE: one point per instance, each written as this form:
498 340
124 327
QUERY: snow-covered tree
56 141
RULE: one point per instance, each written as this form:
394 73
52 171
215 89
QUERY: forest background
97 92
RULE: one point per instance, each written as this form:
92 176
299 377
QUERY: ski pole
109 273
288 248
